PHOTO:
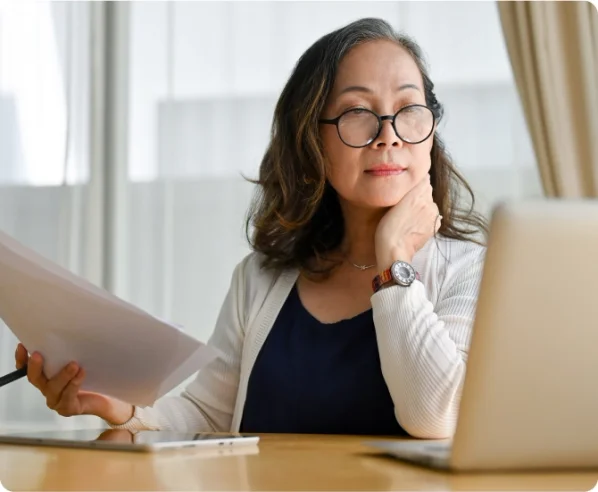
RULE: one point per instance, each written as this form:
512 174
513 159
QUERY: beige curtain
553 47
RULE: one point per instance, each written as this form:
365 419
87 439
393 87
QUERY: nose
387 136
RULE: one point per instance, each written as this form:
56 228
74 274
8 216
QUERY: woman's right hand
63 393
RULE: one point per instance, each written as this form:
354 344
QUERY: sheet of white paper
126 353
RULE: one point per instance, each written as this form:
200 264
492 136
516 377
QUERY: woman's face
382 77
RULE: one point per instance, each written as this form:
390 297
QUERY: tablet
124 440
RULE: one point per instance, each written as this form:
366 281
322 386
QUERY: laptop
530 394
145 441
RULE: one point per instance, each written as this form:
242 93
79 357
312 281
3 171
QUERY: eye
411 108
356 110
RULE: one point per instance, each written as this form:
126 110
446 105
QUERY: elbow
426 424
426 416
427 431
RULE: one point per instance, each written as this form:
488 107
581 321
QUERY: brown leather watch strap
381 279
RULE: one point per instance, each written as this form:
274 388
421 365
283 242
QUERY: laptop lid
530 397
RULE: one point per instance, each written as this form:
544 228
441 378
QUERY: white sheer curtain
45 74
203 81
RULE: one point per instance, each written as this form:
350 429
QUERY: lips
385 170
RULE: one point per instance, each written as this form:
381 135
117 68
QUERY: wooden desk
278 463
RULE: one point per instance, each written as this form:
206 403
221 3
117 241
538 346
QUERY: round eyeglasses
359 127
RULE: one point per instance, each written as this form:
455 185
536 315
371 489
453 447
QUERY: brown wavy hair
295 218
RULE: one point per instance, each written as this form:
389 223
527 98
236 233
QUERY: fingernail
36 357
72 367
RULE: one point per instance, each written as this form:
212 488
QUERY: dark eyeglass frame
391 117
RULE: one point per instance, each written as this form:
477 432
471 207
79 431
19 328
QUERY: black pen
13 376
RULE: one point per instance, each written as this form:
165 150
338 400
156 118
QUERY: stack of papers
126 353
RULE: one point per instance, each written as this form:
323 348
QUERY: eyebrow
359 88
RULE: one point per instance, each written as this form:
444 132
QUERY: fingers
62 390
423 189
424 183
437 223
35 373
57 385
21 356
66 402
428 185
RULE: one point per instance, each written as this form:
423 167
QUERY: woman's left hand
406 227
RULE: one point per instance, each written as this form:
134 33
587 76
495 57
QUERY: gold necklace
362 267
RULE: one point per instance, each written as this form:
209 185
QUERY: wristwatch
400 272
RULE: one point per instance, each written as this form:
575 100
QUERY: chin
382 201
386 194
374 199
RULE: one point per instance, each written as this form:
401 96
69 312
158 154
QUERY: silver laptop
530 395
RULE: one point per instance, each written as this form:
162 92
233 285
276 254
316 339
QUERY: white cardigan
423 334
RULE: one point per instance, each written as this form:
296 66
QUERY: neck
359 245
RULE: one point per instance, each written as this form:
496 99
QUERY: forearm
422 362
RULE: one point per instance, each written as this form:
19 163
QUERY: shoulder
253 283
251 274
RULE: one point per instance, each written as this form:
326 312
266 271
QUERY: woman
354 312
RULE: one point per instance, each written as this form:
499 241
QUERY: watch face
402 273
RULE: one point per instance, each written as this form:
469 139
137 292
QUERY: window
204 78
44 74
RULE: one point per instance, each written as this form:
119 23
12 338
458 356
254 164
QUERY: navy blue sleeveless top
311 377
